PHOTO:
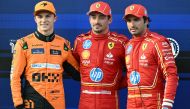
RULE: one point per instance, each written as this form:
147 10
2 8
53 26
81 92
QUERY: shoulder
155 37
25 38
83 36
118 37
62 39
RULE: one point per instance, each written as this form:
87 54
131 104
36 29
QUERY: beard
98 28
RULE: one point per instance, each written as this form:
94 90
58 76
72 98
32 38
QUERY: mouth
133 29
44 24
97 25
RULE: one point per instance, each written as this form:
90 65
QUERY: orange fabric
41 64
44 6
101 7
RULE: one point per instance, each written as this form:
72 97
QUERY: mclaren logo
44 4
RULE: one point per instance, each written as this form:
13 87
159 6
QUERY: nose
96 20
131 23
43 19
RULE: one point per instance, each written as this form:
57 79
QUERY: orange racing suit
40 59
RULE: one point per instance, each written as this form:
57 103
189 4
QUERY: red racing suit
101 60
152 73
39 59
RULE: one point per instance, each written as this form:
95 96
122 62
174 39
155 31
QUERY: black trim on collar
43 37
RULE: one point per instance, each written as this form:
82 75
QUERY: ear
35 19
147 22
110 20
55 18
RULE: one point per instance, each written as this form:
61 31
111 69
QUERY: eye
48 15
39 16
128 20
136 19
102 16
93 16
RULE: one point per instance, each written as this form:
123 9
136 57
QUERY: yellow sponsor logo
85 54
127 58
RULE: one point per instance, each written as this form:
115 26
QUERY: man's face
45 21
99 22
136 26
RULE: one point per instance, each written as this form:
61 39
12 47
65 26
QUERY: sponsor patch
127 58
85 62
134 77
45 65
65 47
87 44
96 74
129 48
85 54
37 50
143 57
109 55
55 52
25 46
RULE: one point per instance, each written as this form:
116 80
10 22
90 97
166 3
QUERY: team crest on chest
144 46
111 45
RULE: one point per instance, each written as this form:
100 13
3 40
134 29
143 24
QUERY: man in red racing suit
152 73
101 54
41 58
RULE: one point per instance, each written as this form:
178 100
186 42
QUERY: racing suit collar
99 36
43 37
141 37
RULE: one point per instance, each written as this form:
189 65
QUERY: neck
99 36
103 32
43 37
142 34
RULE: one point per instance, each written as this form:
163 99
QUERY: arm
123 83
71 65
169 69
17 68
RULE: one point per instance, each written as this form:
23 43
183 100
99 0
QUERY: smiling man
41 58
101 55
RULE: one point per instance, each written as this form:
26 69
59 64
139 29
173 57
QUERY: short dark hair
145 19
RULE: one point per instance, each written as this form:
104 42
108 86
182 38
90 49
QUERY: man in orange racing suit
101 54
152 73
39 58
